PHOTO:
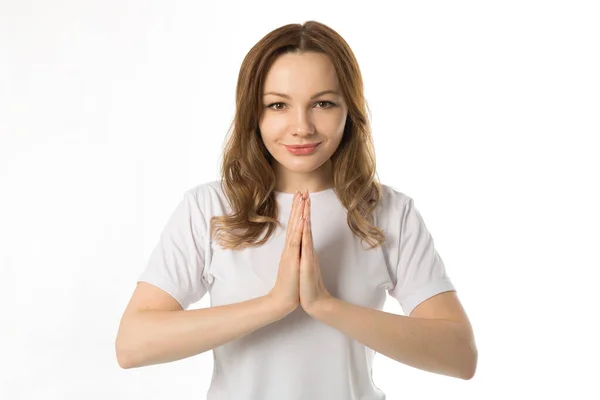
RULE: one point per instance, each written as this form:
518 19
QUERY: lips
301 146
303 149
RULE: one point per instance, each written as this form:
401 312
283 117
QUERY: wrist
321 307
279 308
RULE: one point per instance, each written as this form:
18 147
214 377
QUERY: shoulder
393 200
208 196
204 189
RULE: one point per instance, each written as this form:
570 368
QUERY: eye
274 104
328 103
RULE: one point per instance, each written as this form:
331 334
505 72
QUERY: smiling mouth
302 146
304 150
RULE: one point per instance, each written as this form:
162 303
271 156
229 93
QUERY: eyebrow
312 97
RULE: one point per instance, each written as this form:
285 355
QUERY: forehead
300 73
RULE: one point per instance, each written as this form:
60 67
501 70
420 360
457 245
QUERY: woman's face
306 116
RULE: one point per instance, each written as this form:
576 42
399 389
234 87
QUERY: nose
304 124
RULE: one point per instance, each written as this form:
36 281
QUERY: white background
485 113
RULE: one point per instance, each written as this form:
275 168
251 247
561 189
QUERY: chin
302 165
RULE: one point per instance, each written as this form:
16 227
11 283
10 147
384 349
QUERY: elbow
123 355
472 366
468 357
125 346
122 359
123 362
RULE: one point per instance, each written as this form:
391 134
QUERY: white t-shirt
297 357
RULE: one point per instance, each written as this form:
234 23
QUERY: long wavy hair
247 177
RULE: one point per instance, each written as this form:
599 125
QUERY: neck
315 181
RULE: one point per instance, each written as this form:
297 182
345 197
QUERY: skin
301 119
437 336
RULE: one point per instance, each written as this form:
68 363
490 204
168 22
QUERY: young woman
298 245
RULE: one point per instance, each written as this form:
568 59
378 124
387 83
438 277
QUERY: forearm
438 346
154 337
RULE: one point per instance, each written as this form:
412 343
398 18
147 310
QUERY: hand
312 289
285 293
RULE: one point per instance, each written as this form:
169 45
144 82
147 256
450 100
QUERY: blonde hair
248 179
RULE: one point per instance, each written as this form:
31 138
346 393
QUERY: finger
309 224
295 238
298 212
309 218
291 218
306 239
294 214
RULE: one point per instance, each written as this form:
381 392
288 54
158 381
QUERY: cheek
266 129
333 126
273 125
271 138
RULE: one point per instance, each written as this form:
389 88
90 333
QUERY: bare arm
155 329
441 346
148 337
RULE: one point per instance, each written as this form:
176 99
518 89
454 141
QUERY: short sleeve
176 264
420 271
